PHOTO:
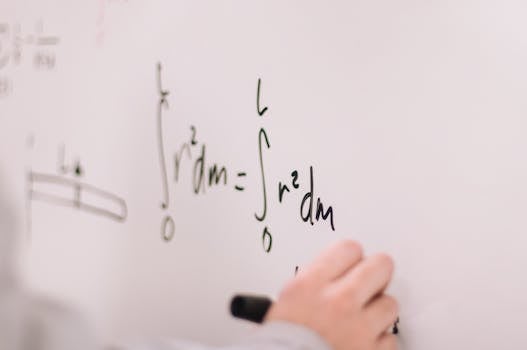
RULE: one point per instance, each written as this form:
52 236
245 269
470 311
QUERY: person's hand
341 297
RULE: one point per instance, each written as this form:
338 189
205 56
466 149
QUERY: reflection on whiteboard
15 42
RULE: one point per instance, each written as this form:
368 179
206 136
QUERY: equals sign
237 187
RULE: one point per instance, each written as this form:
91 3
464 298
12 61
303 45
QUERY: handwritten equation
15 41
65 189
192 156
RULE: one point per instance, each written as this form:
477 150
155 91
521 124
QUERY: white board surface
412 116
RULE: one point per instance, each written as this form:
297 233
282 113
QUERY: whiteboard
136 138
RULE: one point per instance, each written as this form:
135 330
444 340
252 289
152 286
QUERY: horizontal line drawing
48 41
77 199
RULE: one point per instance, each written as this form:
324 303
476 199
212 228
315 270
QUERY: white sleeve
282 335
32 323
272 335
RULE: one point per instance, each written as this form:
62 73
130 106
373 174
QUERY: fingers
373 276
387 342
335 261
382 313
368 279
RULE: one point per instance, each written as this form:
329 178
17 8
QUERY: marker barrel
251 308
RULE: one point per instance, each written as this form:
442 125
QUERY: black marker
251 308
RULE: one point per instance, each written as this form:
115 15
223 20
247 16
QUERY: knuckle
385 261
351 246
348 295
340 298
392 306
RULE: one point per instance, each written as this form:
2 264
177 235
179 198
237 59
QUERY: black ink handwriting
262 136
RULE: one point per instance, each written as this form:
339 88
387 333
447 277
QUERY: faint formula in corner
21 48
